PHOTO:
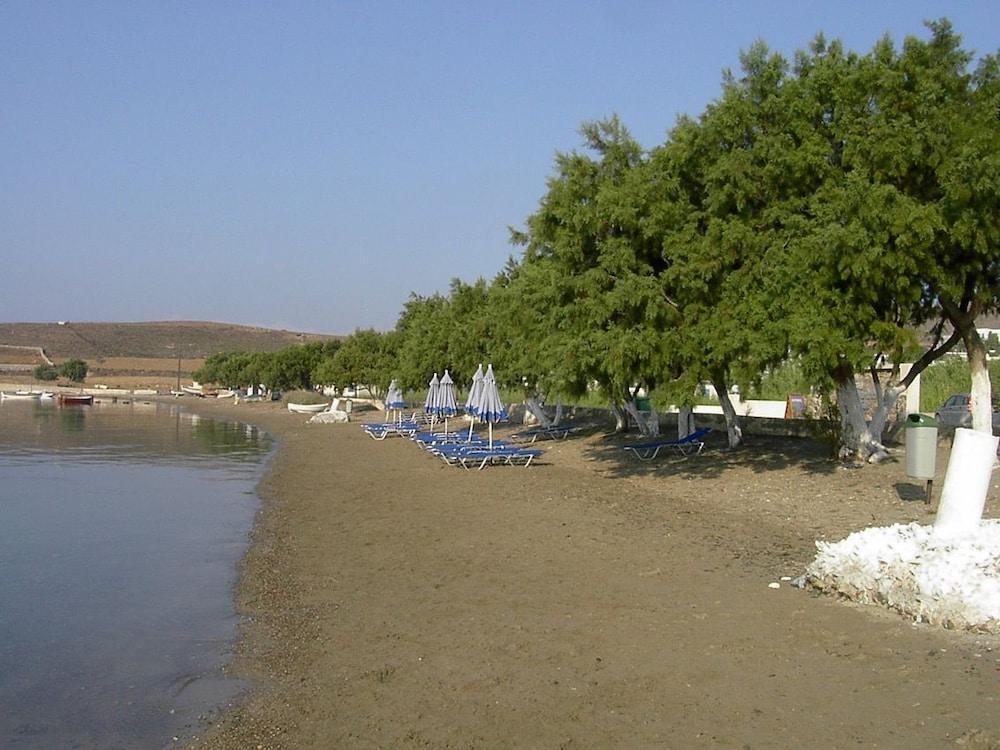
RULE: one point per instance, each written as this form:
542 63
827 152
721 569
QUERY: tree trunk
981 392
621 420
883 409
559 412
733 431
856 439
532 405
685 422
645 427
653 421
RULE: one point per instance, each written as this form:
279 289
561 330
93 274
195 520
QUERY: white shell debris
954 582
774 585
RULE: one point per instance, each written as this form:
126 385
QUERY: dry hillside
166 339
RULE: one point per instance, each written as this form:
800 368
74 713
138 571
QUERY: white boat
19 396
308 408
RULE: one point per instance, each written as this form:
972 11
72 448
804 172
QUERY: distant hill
162 339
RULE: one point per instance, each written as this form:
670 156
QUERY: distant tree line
822 211
285 369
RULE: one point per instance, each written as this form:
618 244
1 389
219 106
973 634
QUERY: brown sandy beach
589 601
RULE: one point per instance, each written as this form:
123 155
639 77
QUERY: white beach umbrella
488 407
474 390
430 403
445 405
394 398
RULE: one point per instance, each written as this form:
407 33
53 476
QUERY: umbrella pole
472 423
491 436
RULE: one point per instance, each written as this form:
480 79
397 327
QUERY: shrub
74 370
46 372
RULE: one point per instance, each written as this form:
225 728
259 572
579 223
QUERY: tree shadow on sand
759 454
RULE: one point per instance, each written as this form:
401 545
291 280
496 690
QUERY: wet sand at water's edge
588 601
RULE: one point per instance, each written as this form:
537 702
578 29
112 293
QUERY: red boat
75 398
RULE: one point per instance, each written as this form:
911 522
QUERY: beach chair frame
688 445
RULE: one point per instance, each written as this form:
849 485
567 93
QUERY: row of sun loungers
457 448
461 449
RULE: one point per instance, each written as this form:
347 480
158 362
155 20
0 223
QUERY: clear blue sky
307 165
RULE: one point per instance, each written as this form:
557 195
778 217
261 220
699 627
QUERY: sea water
121 526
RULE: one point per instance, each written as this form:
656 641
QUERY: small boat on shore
308 408
19 395
75 399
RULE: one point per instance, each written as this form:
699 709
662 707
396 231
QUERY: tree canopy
821 210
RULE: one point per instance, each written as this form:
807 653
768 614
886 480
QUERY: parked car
956 411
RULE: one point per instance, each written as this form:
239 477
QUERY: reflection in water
124 432
120 529
71 418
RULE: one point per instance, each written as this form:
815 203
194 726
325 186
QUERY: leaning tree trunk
981 392
621 419
532 405
733 431
963 319
886 403
646 427
557 419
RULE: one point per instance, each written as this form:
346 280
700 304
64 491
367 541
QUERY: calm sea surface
121 526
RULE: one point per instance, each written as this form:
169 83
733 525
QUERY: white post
966 483
913 392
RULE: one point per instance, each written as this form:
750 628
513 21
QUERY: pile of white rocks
949 580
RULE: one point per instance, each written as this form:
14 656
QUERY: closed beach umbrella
445 405
394 398
430 403
474 390
488 407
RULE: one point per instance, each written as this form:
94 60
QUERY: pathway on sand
402 603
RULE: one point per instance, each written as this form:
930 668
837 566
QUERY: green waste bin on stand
642 404
921 449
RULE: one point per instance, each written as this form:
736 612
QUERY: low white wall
751 408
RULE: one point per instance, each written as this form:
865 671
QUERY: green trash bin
921 446
642 404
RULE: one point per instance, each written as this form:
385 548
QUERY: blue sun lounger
480 456
692 443
543 433
429 440
382 430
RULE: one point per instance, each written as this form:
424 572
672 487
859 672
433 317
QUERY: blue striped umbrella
430 403
394 399
488 407
474 390
445 405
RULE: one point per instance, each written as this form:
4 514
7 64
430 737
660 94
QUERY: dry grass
20 357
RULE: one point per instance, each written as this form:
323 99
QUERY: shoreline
390 601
